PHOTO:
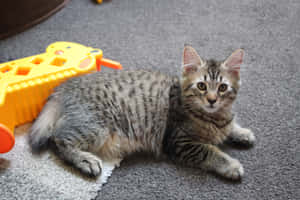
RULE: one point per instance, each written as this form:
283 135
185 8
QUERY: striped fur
114 114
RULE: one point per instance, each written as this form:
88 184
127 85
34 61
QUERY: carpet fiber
151 35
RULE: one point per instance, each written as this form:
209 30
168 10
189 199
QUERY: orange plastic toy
26 83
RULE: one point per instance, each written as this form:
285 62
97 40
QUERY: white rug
27 176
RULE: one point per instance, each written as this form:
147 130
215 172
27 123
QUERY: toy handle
108 63
86 63
7 139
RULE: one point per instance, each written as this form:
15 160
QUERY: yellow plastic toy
26 83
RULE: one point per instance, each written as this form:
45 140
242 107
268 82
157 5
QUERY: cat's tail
43 126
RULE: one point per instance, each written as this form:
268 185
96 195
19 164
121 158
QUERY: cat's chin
210 109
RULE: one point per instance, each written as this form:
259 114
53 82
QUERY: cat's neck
220 119
175 94
176 113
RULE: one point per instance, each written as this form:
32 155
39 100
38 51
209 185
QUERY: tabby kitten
110 115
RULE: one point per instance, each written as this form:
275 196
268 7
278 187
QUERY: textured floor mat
44 176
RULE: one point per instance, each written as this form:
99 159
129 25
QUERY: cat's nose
212 101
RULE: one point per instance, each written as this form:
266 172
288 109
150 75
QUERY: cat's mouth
210 108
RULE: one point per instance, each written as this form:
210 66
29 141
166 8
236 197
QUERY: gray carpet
151 34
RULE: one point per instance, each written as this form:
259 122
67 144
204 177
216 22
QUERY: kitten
115 114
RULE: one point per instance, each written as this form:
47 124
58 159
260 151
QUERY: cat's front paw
243 136
233 170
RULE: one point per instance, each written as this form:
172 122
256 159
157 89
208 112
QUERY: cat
110 115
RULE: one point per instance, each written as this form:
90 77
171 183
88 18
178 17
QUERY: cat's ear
234 61
191 60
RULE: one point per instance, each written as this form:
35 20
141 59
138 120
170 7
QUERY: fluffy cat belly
117 146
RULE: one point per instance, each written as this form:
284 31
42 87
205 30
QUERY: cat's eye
201 86
222 87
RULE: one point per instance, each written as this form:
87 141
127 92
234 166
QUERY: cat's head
208 84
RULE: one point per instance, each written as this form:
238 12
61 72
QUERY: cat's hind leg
86 162
241 135
77 145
